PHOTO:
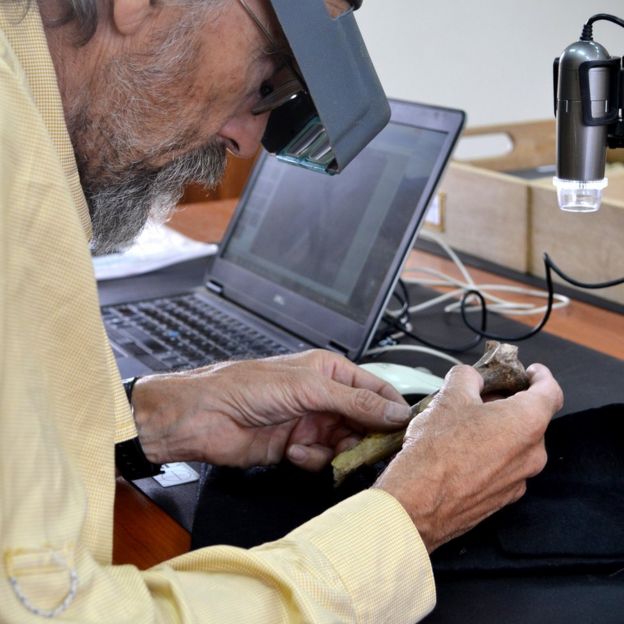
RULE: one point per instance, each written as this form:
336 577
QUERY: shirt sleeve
361 561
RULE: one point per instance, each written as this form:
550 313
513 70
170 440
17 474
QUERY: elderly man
107 108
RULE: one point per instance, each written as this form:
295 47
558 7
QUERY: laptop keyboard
182 332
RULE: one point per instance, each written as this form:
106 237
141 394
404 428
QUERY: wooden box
512 221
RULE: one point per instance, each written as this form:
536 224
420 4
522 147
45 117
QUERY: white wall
492 58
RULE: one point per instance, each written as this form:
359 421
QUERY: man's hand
307 406
463 459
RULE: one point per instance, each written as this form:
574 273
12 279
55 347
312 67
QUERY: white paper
156 247
176 473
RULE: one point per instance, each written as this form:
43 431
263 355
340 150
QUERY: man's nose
242 133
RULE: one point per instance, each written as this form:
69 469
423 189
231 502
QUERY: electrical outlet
434 217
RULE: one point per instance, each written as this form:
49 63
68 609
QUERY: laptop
308 260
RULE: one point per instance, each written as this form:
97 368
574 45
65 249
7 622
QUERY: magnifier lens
576 196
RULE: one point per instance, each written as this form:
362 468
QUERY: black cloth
571 518
248 507
588 378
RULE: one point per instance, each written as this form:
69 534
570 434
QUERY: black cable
400 325
449 349
384 333
402 298
481 332
587 33
406 295
549 266
574 282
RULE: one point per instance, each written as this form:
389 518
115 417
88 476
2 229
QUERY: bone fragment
502 373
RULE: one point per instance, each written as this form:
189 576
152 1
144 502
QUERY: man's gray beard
109 127
120 209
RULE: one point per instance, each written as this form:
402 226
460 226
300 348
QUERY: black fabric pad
589 378
248 507
572 517
585 476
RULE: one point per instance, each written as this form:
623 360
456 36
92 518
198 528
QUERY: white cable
511 307
494 303
434 301
504 303
459 287
434 352
450 253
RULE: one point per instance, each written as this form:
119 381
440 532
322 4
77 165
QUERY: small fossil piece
502 373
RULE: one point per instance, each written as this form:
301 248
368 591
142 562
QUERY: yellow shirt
62 409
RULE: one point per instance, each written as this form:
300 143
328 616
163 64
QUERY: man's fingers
369 401
357 377
540 401
363 407
543 383
313 457
462 385
348 443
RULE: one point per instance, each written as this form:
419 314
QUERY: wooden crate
485 213
587 246
512 221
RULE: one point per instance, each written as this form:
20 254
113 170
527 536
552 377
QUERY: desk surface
582 323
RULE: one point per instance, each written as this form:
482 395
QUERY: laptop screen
319 256
332 239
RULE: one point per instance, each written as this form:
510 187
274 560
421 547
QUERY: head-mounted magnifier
331 104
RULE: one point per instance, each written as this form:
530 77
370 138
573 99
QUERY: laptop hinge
214 287
334 346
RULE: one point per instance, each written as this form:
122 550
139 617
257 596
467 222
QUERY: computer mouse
405 379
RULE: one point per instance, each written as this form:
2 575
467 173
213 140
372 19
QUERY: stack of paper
156 247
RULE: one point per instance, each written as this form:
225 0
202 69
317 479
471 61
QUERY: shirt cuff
125 427
376 550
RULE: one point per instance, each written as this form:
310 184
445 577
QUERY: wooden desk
581 323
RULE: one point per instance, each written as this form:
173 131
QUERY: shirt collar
26 36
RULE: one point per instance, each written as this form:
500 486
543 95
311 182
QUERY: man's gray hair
83 12
85 15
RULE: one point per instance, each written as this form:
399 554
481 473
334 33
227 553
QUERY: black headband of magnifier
343 106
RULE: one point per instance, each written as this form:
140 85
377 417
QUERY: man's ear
129 15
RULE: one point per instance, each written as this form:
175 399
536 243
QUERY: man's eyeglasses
286 84
321 119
